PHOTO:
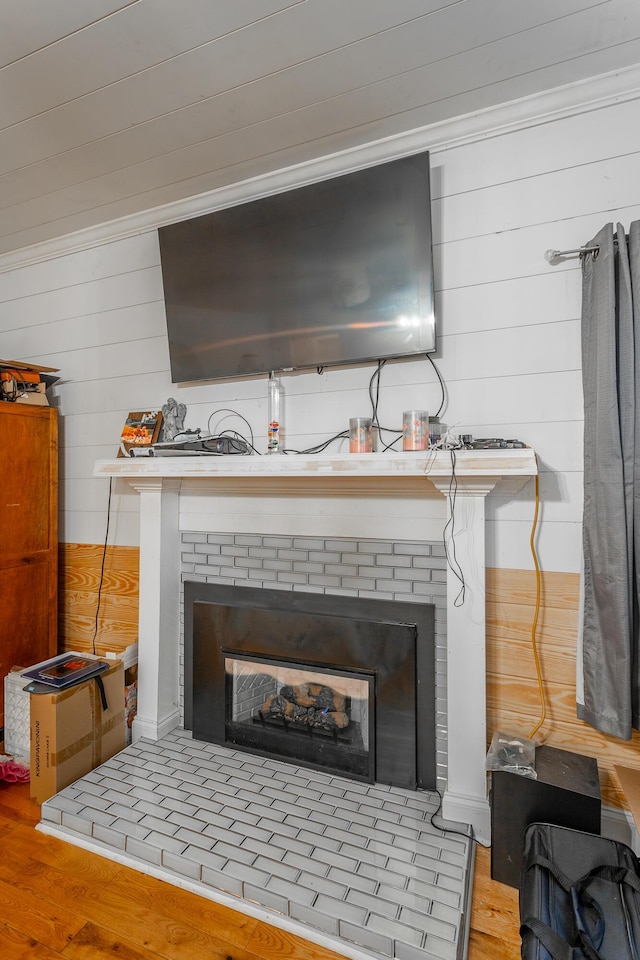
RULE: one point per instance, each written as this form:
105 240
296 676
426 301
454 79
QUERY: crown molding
568 100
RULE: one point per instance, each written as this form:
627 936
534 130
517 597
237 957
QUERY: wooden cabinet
28 536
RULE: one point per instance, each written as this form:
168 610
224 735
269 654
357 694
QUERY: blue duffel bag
579 896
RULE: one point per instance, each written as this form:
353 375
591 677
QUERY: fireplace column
465 798
159 608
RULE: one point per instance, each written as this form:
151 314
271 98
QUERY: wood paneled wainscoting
513 703
82 626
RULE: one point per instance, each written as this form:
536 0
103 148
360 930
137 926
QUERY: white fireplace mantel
477 473
500 464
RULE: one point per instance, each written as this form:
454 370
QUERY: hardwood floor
494 915
59 901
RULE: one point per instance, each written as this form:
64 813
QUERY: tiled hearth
354 866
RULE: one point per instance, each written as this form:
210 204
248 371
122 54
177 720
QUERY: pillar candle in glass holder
415 430
360 435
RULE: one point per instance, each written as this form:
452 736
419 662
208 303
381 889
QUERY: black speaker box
565 793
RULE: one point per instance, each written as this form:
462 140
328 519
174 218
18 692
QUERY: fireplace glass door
316 717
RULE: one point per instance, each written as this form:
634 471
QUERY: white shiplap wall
509 347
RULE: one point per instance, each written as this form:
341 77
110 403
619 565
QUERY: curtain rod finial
552 256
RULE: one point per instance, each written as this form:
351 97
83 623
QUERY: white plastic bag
513 754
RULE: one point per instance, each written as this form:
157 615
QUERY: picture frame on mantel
140 429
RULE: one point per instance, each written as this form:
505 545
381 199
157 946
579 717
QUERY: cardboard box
129 658
36 397
17 393
37 376
71 732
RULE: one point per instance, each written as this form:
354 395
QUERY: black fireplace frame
405 740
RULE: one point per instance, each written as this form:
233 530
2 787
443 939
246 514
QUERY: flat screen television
335 272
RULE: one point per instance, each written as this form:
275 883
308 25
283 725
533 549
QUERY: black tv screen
336 272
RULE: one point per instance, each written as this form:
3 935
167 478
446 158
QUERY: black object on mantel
565 793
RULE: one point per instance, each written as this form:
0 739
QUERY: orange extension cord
536 614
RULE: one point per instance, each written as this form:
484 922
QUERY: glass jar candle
360 435
415 430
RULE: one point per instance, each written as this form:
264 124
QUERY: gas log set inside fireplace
336 683
310 706
283 711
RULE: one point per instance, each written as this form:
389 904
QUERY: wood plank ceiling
110 108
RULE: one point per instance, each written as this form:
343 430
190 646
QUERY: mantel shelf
467 465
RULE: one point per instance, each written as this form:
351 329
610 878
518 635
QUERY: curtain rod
554 256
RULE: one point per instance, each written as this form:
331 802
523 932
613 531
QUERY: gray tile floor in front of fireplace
362 864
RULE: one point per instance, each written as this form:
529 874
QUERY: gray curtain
611 521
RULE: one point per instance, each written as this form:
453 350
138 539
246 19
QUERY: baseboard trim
155 729
471 810
618 824
615 824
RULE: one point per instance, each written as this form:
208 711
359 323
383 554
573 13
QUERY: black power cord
104 557
448 534
448 830
320 447
375 400
233 433
374 397
441 381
